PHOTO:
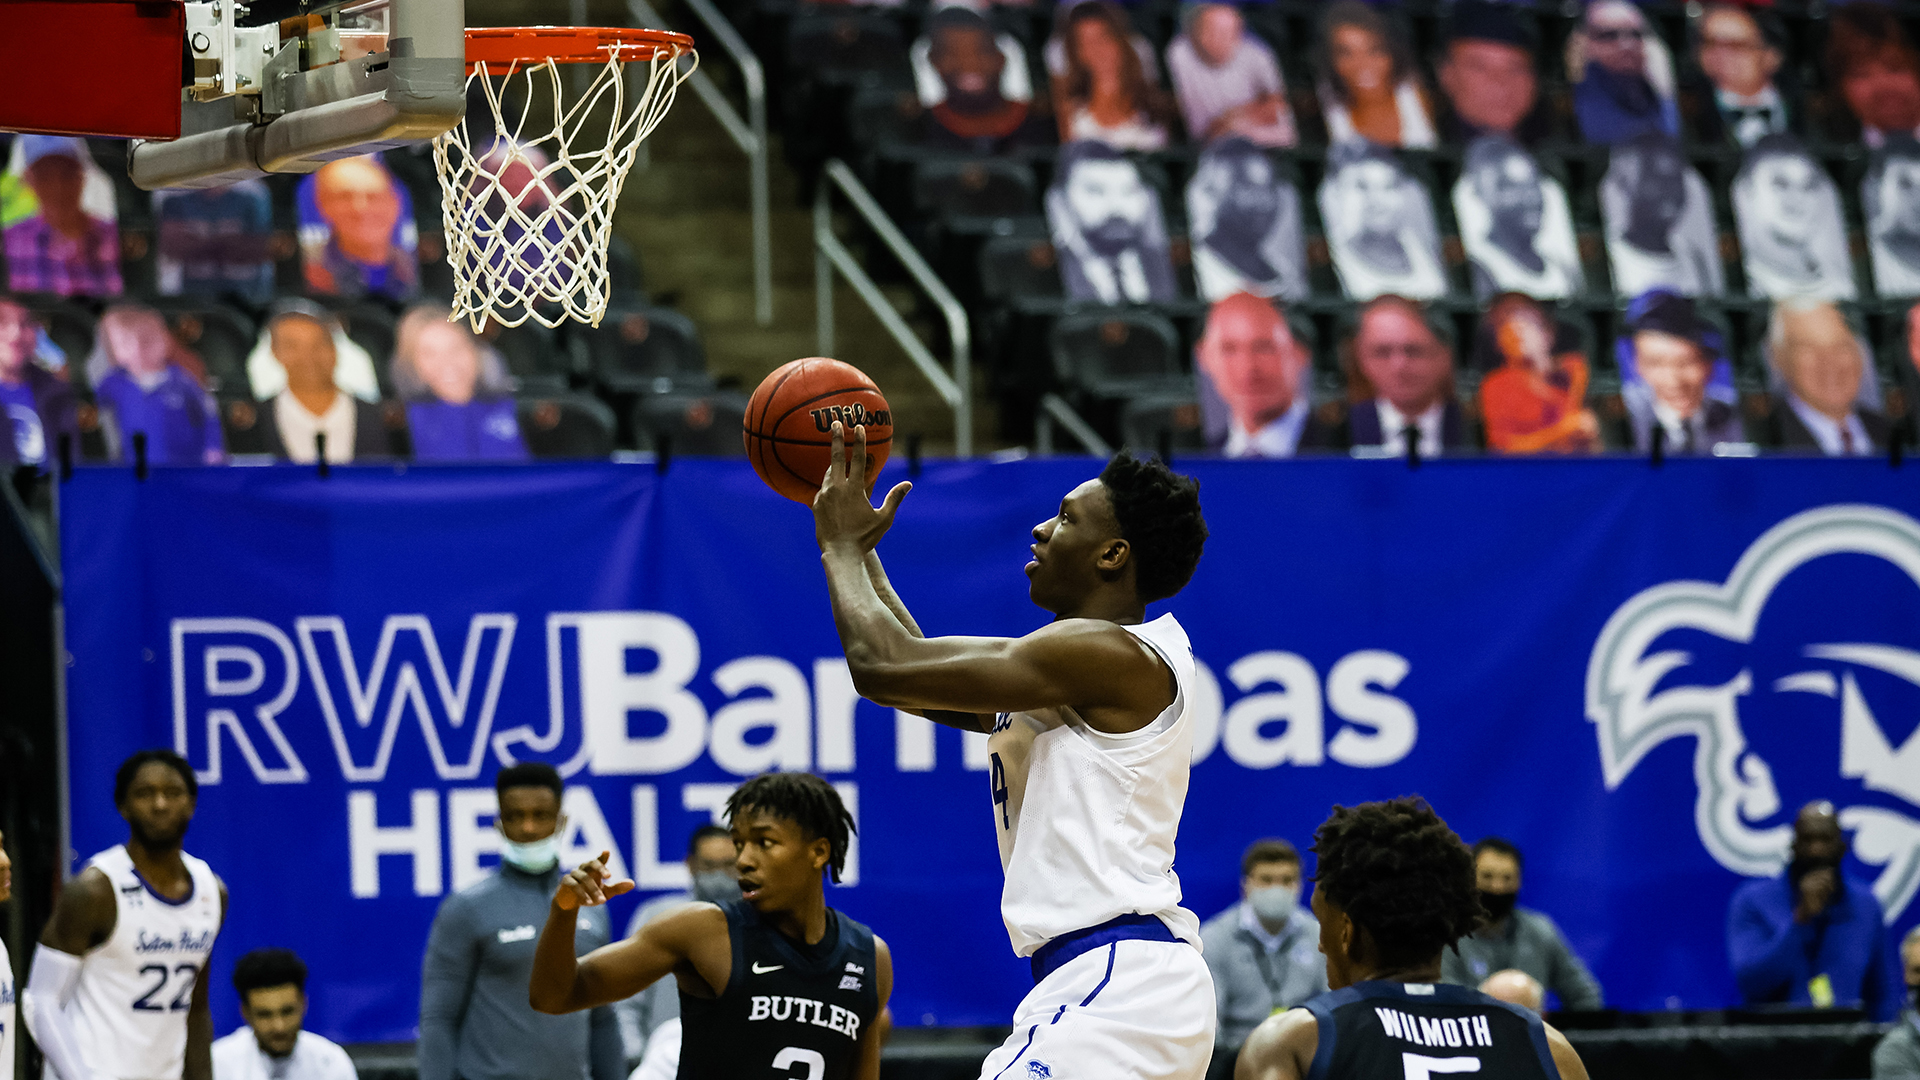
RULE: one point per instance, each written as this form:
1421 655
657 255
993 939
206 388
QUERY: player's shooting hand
843 511
590 885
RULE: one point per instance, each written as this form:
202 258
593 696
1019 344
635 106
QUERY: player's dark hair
1158 511
530 774
123 777
807 801
1499 847
264 969
705 833
1269 850
1397 870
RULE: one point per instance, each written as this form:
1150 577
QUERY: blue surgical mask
1275 903
535 856
715 886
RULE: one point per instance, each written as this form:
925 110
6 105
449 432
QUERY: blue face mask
1274 904
535 857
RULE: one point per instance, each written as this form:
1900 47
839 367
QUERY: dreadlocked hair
807 801
1158 511
1396 869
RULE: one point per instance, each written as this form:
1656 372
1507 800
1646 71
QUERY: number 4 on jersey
999 783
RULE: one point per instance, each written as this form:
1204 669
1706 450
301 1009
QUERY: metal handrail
749 134
955 387
1054 409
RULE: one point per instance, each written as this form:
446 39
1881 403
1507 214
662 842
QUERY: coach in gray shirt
1264 951
475 1023
1898 1054
1516 938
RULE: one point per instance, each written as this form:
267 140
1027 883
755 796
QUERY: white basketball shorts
1142 1010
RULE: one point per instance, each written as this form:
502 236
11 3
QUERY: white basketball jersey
7 1014
1087 820
129 1008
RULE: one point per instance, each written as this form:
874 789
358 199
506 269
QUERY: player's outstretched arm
1565 1058
562 984
874 1039
1281 1048
1092 665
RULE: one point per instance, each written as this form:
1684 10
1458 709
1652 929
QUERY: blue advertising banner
1635 674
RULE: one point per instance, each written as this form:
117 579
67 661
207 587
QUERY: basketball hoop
528 197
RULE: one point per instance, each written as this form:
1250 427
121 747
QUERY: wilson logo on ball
852 416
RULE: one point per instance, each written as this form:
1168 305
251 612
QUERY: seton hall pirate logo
1798 678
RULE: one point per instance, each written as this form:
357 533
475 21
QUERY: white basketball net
528 204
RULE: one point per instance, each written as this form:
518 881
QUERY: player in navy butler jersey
1394 888
775 984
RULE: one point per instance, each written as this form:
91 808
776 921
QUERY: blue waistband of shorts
1056 953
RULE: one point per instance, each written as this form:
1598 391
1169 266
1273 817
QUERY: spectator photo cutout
1659 221
1108 228
1245 225
1792 236
1379 225
62 233
1890 197
1369 88
1622 75
1515 224
357 233
1228 81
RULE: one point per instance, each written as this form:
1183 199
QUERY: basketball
789 423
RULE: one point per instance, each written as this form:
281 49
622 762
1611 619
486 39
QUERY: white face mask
534 856
1275 903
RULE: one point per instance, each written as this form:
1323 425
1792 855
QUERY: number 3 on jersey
999 783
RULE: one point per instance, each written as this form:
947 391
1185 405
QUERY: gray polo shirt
1251 982
475 1023
1898 1054
1529 942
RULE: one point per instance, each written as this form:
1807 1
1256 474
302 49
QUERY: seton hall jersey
129 1008
788 1010
1422 1030
1087 820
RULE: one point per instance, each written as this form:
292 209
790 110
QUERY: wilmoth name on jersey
801 1010
1437 1031
187 942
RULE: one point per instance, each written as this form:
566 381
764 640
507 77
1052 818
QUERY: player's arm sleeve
446 983
50 984
1570 979
1766 962
340 1068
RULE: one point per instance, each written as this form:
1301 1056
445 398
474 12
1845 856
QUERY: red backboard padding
92 67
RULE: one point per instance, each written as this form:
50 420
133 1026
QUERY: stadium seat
532 357
1166 418
626 284
968 194
565 425
1019 267
372 327
219 335
646 350
700 425
848 46
1117 352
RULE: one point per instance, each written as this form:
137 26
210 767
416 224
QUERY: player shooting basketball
1089 749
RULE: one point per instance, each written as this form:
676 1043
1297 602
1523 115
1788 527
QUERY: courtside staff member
475 1023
